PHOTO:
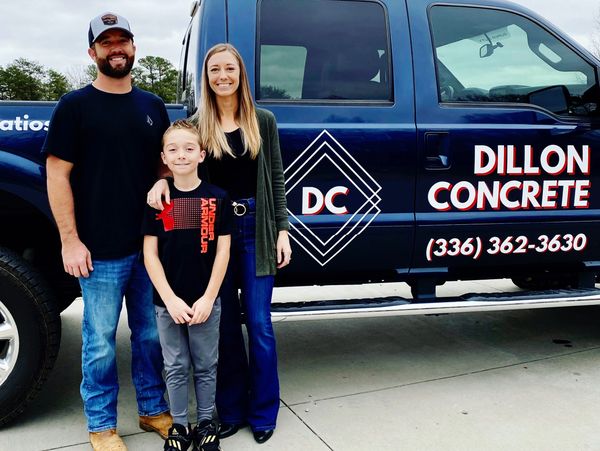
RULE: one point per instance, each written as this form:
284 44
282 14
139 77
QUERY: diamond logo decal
325 180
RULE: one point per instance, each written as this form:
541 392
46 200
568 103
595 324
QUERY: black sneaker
205 436
179 439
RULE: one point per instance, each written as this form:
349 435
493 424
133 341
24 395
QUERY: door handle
437 151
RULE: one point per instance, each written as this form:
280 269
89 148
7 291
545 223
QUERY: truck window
487 55
326 50
191 66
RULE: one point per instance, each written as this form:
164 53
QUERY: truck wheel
29 334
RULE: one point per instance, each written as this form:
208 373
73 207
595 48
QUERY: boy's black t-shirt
187 231
114 143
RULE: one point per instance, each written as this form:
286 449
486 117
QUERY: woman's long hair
211 132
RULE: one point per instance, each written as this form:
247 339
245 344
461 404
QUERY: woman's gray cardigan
271 206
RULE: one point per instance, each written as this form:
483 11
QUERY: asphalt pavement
517 380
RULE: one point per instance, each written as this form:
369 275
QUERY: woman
244 158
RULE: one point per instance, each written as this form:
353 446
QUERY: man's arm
77 259
203 306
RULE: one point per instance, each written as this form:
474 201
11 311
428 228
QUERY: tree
157 75
56 85
28 80
80 75
273 92
22 80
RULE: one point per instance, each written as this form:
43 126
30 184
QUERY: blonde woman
244 158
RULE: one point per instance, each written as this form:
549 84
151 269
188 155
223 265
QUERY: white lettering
560 166
433 194
582 160
528 194
6 126
482 168
36 126
582 194
331 195
505 191
511 165
23 124
529 168
313 200
456 192
317 206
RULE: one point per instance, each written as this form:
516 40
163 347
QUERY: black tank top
235 175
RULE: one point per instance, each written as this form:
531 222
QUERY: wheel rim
9 343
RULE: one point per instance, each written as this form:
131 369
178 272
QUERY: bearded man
103 148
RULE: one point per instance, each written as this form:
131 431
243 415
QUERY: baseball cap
107 21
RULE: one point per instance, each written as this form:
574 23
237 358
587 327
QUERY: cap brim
127 32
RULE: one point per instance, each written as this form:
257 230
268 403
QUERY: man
103 148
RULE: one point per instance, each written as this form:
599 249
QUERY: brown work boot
158 423
107 441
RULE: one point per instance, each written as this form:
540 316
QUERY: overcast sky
54 32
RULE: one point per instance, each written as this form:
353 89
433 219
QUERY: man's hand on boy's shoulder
202 309
179 310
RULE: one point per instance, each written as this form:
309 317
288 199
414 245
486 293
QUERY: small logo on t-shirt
149 120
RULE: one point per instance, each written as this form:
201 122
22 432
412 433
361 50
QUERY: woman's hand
284 250
160 189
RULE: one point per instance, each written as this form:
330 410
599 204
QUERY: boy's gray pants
195 346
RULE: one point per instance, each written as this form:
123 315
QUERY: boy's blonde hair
213 137
182 124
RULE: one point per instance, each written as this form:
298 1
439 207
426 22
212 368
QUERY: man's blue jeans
103 295
247 393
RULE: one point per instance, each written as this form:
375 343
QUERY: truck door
345 112
506 117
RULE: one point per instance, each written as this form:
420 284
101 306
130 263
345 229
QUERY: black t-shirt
187 231
236 175
114 142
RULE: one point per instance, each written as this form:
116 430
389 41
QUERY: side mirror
552 98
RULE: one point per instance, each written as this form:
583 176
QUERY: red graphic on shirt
167 217
191 213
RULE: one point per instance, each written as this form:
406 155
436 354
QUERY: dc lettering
314 201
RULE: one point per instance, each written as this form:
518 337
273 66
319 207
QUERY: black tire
31 338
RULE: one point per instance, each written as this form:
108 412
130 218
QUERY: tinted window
486 55
192 66
323 49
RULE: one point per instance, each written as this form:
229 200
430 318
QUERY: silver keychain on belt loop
239 209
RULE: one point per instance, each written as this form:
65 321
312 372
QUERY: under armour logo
149 120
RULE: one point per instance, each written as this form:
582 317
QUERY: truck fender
25 179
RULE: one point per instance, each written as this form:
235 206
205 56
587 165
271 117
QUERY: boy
186 251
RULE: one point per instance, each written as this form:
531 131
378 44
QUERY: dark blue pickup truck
422 142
